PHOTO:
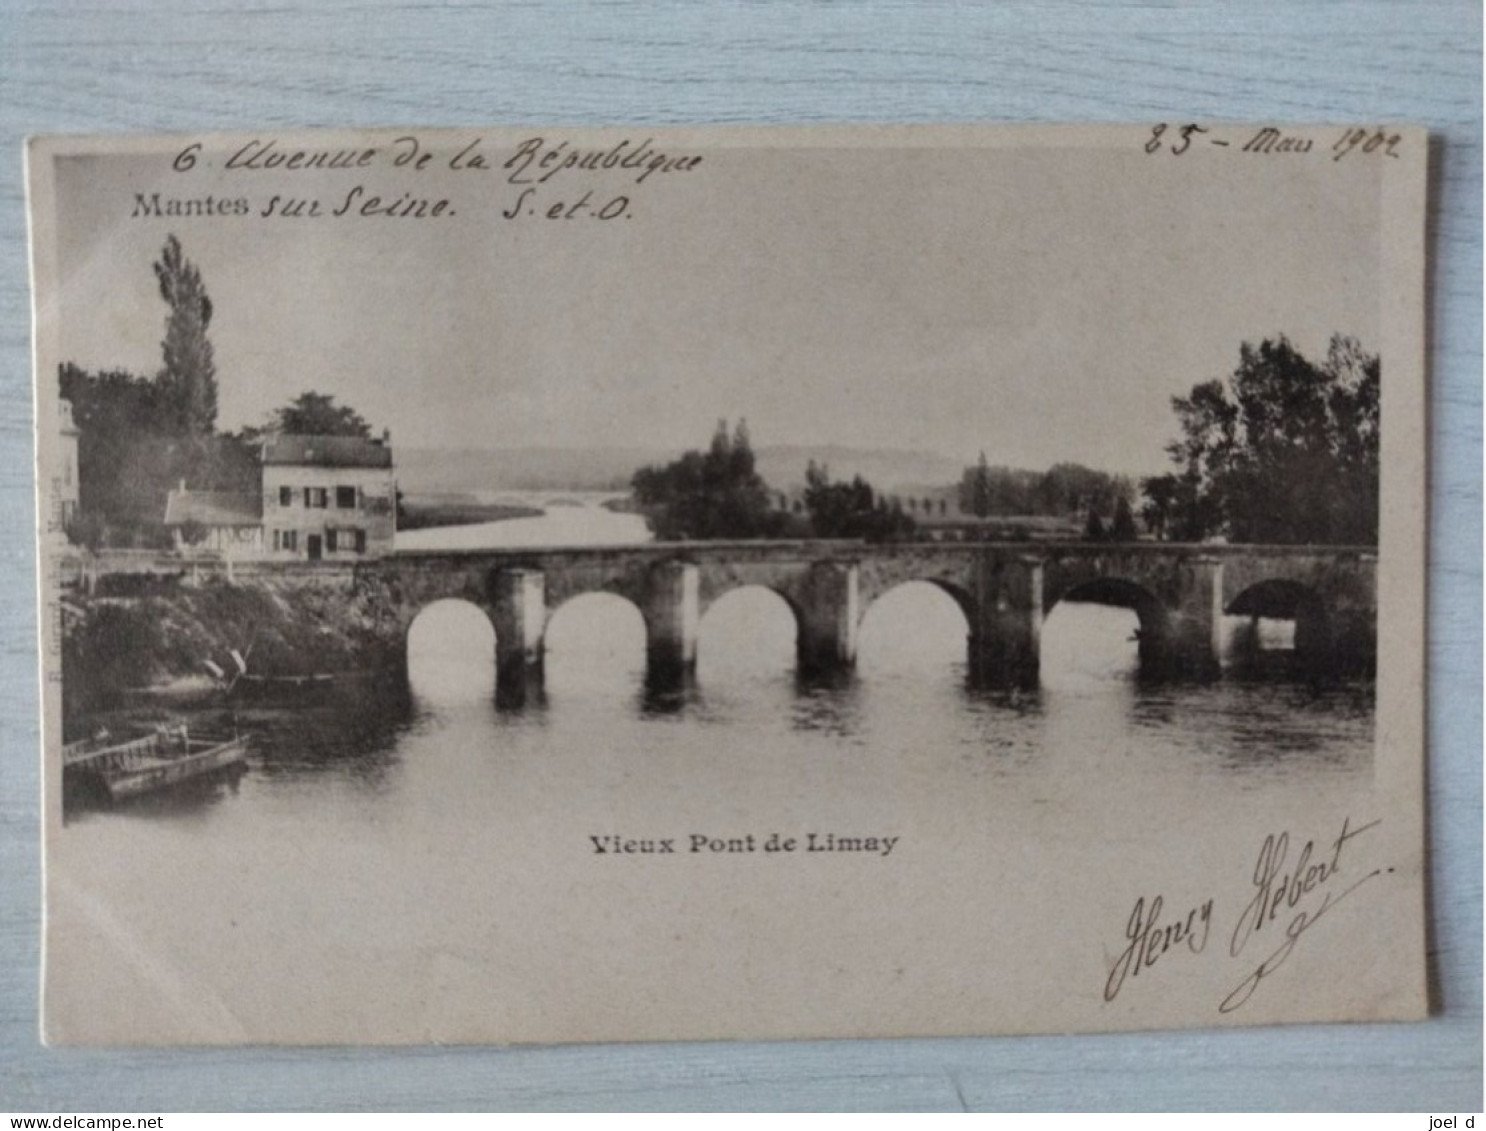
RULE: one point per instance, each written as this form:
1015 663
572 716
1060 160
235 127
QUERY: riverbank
164 643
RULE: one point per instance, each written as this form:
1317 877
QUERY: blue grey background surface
152 65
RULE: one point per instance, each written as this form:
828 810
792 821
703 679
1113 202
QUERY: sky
1038 302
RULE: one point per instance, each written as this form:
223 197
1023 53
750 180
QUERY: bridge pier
520 617
1194 640
1006 622
672 613
1352 649
829 611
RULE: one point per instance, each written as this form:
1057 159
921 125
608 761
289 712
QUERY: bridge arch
612 596
750 590
918 622
1179 594
1153 634
1283 600
594 642
752 625
959 594
449 646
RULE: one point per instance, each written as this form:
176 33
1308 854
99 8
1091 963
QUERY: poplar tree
188 378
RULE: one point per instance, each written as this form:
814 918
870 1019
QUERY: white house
324 498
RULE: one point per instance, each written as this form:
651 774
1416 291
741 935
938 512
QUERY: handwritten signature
1277 892
1149 941
1283 907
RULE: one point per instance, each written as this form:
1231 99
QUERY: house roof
326 451
213 508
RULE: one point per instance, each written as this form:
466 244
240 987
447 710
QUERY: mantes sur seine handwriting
1280 890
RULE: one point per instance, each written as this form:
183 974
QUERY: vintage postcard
540 585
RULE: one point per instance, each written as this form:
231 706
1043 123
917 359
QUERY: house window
360 541
316 497
286 540
286 496
330 539
345 498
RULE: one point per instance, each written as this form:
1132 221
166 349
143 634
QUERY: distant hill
424 471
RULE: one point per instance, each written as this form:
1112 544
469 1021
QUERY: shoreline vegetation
157 643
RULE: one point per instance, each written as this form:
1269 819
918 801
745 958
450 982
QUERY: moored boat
257 687
154 761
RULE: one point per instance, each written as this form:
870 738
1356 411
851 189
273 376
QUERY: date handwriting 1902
1271 141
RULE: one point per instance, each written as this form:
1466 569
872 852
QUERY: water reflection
417 818
187 802
449 740
908 693
907 703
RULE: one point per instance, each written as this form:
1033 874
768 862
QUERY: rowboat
163 758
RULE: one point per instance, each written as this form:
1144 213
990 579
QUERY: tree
852 510
130 456
980 489
126 463
1122 529
716 494
1094 528
1065 490
1285 451
1158 510
740 455
141 437
188 377
316 414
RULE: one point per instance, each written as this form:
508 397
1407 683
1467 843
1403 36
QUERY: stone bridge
1005 590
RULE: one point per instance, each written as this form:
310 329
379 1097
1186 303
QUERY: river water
424 868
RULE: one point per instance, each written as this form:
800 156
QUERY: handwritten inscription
537 162
1280 892
542 178
1267 141
1151 939
1286 898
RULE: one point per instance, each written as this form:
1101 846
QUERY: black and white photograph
509 586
